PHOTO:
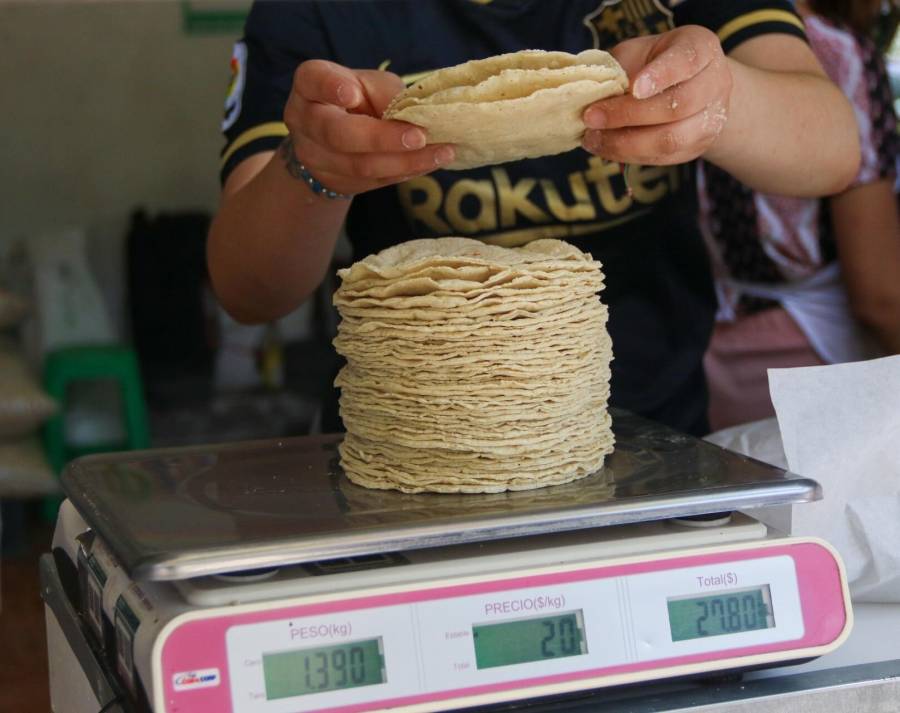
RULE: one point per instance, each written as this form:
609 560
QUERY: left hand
678 103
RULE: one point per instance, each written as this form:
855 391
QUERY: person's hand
678 104
334 117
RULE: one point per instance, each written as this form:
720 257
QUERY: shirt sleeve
278 36
854 64
736 21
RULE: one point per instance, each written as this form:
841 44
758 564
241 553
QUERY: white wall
105 106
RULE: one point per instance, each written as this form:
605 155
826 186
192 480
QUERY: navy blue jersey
659 288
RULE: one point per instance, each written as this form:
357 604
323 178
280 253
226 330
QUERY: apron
821 309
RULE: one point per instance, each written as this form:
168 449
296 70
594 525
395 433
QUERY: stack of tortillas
473 368
512 106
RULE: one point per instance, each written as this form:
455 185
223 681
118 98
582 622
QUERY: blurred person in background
805 282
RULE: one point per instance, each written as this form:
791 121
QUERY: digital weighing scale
255 578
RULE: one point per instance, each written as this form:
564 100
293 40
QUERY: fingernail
443 155
592 141
595 118
644 87
413 138
348 95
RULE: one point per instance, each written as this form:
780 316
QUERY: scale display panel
724 612
301 672
535 633
538 638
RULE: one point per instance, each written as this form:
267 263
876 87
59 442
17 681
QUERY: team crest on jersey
235 85
617 20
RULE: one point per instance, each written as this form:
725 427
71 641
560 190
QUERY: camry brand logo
187 680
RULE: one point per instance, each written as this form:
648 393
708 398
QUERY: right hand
334 117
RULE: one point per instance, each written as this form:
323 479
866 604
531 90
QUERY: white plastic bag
69 308
840 425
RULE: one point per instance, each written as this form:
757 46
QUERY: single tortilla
513 106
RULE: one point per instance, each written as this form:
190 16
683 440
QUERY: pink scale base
200 644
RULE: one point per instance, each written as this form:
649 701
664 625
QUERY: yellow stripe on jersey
272 128
755 18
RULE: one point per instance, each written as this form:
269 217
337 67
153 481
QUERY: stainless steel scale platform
239 537
188 512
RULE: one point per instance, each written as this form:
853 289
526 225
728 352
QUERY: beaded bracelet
301 172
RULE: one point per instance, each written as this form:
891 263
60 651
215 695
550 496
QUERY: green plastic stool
92 363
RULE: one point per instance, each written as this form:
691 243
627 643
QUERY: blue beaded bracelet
301 172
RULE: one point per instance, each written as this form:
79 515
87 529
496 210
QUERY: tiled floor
23 650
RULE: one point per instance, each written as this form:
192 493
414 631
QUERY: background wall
106 106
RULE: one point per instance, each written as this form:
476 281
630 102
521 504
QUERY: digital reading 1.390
326 668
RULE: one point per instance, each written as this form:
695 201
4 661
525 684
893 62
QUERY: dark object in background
886 26
12 527
168 296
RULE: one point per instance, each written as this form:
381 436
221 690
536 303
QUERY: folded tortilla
509 107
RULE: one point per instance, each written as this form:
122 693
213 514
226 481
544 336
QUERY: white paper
760 440
757 439
840 425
